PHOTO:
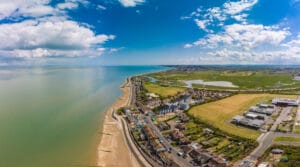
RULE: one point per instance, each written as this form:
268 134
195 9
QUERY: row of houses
156 146
201 157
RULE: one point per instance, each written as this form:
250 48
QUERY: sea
51 116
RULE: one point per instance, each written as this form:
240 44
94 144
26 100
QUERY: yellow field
220 113
162 90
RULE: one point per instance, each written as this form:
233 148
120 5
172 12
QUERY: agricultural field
220 113
242 79
163 91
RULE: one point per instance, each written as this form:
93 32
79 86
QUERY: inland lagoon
51 116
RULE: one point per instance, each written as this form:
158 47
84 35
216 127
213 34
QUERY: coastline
112 149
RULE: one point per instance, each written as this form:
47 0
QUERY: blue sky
112 32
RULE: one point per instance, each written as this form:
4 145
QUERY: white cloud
188 45
216 16
47 31
234 8
33 8
45 37
101 7
67 5
244 36
202 24
131 3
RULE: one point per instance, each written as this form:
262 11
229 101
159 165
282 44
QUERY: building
285 102
251 121
149 133
251 116
176 135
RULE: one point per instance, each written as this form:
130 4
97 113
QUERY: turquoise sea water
51 116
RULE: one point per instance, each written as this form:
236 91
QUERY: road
266 139
177 159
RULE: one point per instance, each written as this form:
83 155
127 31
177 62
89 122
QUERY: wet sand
112 150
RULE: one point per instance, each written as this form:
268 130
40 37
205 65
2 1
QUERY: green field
287 139
243 79
220 113
163 91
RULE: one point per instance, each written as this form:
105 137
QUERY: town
167 135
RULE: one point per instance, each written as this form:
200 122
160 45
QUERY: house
186 149
165 158
183 117
180 126
184 141
216 162
149 133
157 146
277 151
163 126
195 145
208 131
194 154
167 108
184 106
202 158
176 135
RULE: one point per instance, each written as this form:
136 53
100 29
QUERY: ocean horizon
51 116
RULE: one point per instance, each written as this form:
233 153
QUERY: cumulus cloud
234 8
48 31
32 8
216 16
131 3
38 37
245 36
202 24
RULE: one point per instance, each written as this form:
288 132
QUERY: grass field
287 139
243 79
220 113
163 91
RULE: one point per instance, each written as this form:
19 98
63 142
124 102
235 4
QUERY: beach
112 150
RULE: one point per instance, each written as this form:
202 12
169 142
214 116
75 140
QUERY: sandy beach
112 150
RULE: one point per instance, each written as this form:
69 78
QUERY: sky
147 32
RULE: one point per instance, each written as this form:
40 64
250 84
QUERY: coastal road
177 159
125 130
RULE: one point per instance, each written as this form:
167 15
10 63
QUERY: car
179 153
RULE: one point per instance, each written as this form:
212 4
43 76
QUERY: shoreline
112 150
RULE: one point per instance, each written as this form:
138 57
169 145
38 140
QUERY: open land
163 91
219 113
242 79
